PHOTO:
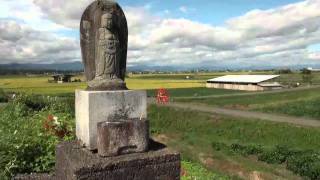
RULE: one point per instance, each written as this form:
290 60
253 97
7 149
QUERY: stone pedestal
93 107
75 163
123 137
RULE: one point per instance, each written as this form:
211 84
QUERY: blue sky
207 11
187 33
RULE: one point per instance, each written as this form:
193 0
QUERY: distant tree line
307 76
284 71
4 71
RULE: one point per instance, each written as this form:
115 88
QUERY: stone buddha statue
104 41
107 62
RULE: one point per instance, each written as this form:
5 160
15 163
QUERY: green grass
290 79
257 99
36 85
3 96
301 108
195 92
195 125
40 85
192 171
194 132
302 103
178 87
25 145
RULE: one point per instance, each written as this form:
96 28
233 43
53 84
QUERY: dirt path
249 114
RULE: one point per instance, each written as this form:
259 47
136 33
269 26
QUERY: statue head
107 20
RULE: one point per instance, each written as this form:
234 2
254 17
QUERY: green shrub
278 155
305 164
218 146
40 103
26 145
246 150
3 96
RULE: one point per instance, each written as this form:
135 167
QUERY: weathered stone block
93 107
122 137
76 163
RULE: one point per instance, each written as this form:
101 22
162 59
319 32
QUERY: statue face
106 21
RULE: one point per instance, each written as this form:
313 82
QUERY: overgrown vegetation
272 142
30 128
307 76
3 96
303 162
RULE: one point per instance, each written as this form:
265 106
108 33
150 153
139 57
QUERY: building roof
243 78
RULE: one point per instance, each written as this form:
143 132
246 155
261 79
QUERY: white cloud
257 37
299 18
66 13
22 44
186 10
275 36
28 13
183 9
314 55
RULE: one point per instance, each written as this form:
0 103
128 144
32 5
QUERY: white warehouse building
245 82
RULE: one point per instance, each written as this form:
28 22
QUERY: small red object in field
51 125
162 96
48 123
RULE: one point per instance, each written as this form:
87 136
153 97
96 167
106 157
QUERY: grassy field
225 144
28 137
226 147
298 103
40 85
304 102
290 79
177 85
195 92
301 108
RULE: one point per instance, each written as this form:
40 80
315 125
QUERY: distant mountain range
74 66
77 66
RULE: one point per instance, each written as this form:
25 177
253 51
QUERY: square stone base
93 107
123 137
75 163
